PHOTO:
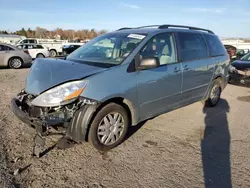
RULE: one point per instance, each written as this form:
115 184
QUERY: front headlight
61 94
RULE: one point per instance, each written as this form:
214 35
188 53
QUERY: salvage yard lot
173 150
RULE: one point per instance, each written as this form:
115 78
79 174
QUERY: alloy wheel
16 63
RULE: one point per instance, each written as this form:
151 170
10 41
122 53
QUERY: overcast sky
227 18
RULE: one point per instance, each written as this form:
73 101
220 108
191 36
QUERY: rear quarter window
192 46
215 46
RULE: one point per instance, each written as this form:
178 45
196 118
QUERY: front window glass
110 49
162 47
246 57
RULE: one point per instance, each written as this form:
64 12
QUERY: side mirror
148 63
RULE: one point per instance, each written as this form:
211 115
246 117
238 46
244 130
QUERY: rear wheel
109 127
15 63
53 53
40 56
214 94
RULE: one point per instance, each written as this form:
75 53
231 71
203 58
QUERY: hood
241 65
47 73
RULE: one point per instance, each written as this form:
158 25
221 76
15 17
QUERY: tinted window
162 47
192 46
24 41
27 46
5 48
32 41
37 47
216 48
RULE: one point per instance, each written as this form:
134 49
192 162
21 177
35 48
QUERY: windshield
109 49
246 57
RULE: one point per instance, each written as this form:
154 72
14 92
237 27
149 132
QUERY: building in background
237 43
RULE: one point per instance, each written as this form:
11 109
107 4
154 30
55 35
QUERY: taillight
27 52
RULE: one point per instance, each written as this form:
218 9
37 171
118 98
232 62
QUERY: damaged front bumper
239 77
73 119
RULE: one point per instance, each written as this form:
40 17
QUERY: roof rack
183 26
148 26
123 28
168 26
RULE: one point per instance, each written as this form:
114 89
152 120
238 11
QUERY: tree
69 34
22 32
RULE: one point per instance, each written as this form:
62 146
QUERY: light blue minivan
120 79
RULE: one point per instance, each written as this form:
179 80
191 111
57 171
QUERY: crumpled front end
239 76
71 119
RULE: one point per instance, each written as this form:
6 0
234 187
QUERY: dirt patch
244 98
164 152
152 143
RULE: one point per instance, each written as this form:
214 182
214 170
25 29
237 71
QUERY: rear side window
192 46
24 41
32 41
37 47
216 48
5 48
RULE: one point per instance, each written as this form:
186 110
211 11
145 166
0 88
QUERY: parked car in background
11 56
240 70
54 46
69 48
241 52
120 79
35 50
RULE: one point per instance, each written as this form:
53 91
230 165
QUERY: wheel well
40 54
124 103
53 50
14 58
221 80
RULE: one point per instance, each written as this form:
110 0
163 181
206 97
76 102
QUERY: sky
227 18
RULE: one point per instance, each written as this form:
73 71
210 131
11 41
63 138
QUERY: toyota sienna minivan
122 78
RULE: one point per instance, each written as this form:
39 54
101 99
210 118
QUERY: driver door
159 89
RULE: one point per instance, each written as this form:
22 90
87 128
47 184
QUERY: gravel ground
189 147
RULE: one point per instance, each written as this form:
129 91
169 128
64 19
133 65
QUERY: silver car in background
11 56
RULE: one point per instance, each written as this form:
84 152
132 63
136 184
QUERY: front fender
79 124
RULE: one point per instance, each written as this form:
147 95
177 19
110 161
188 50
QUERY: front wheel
109 127
214 94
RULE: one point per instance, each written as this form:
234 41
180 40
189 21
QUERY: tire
15 63
105 136
40 55
53 53
214 93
